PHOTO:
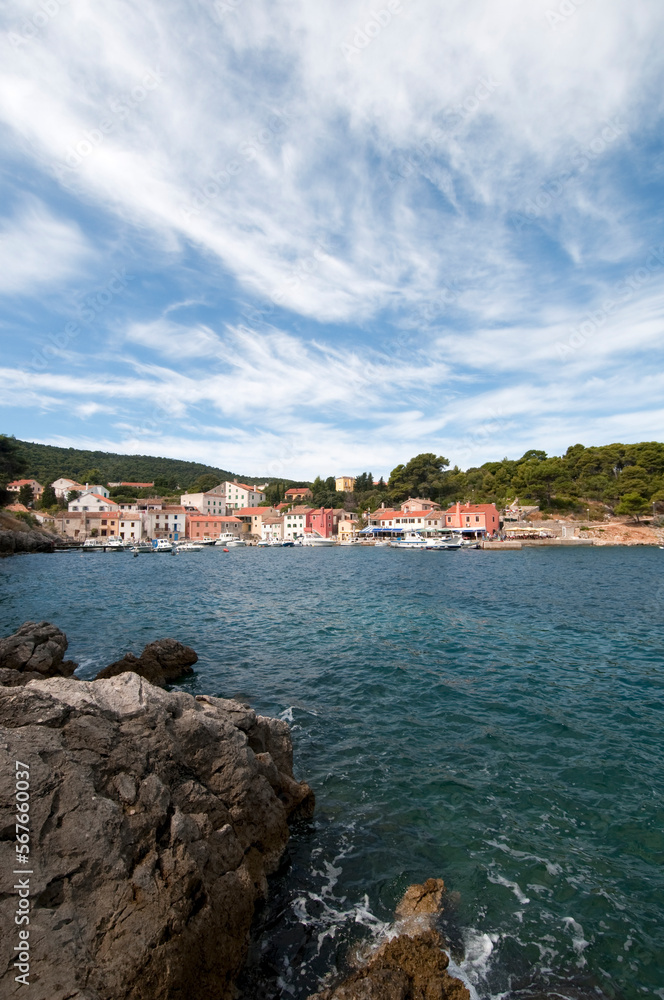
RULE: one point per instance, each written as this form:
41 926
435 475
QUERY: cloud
38 249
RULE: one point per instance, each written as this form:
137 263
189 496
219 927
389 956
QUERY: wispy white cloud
38 249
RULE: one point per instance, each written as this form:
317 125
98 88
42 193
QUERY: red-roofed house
482 517
252 518
15 487
417 503
92 502
238 495
166 521
299 493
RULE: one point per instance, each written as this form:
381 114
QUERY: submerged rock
34 651
161 662
155 818
411 964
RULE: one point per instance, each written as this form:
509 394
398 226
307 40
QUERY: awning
381 531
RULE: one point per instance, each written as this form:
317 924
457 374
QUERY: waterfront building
92 502
272 528
346 530
252 518
165 521
344 484
15 487
426 521
211 502
324 520
80 525
297 521
212 525
480 518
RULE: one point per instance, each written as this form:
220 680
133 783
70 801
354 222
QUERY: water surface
492 718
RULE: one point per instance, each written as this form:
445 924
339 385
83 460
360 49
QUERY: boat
230 541
264 543
190 547
444 543
141 547
288 543
163 545
206 541
381 543
105 544
351 541
313 538
413 540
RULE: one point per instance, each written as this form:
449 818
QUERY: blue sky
291 237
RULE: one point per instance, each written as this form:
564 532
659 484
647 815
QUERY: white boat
142 547
351 541
313 538
443 543
230 541
381 543
413 540
190 547
163 545
110 544
264 543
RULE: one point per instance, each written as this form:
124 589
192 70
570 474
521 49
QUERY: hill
45 463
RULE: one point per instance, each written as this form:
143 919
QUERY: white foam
474 967
287 715
579 942
514 886
551 867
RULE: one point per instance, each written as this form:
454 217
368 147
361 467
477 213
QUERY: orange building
212 525
481 517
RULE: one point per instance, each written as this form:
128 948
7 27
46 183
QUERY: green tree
26 495
12 464
48 498
92 476
422 476
634 504
201 485
73 495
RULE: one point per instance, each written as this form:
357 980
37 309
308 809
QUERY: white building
212 502
91 502
239 495
295 522
64 486
167 522
253 517
130 526
272 527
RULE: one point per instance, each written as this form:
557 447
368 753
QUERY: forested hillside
626 478
46 463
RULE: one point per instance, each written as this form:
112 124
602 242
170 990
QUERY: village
237 513
240 510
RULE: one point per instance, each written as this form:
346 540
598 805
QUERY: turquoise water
491 718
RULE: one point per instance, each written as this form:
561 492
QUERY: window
477 517
104 522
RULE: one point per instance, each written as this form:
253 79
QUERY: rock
411 964
161 662
35 650
17 536
153 827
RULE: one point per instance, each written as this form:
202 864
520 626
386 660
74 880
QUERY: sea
494 719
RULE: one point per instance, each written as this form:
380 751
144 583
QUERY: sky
300 238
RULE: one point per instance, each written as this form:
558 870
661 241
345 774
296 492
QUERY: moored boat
413 540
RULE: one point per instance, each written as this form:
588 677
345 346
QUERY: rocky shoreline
155 820
16 536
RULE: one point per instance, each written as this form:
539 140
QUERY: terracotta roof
18 507
22 482
300 509
245 511
471 507
100 497
244 486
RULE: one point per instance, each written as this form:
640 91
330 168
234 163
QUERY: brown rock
34 651
161 662
412 965
153 828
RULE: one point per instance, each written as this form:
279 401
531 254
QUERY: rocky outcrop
161 662
17 536
411 964
155 818
36 650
